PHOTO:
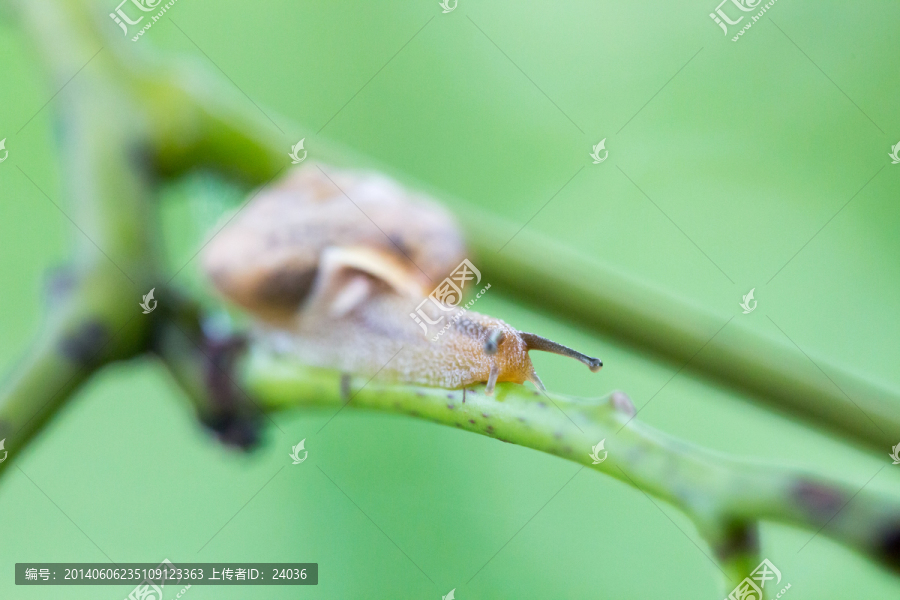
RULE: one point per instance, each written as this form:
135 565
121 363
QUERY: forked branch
170 118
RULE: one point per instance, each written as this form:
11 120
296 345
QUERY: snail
336 267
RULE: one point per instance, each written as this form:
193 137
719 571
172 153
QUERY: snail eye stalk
536 342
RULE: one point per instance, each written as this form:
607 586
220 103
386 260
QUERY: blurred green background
748 151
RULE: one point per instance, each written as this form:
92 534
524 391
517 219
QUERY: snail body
335 266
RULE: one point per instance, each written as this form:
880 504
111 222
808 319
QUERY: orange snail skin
332 263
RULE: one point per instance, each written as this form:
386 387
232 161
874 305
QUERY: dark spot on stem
890 547
485 415
739 538
450 406
230 413
472 421
490 429
821 501
83 346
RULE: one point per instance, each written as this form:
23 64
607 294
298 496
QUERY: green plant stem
558 279
724 496
93 317
89 326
